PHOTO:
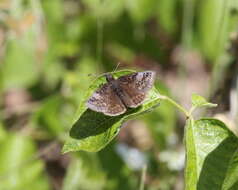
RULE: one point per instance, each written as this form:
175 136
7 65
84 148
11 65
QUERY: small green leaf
212 154
92 131
199 101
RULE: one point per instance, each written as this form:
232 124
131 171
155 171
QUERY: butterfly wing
134 87
106 101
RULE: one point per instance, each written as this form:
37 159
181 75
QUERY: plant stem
176 105
192 109
143 175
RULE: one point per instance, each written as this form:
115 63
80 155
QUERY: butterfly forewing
134 87
117 94
105 100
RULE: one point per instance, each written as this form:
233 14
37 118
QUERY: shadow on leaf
215 165
93 123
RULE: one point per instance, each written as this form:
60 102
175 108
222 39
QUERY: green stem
143 175
192 109
188 115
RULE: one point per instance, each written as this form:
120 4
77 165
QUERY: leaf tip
199 101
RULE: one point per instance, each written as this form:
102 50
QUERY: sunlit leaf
92 131
199 101
211 150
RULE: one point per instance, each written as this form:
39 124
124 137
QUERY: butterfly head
109 77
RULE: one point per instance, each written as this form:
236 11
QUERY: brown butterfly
116 95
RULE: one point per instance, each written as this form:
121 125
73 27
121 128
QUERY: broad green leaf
19 168
91 131
199 101
84 173
211 150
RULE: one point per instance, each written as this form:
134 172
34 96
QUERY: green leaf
92 131
211 150
199 101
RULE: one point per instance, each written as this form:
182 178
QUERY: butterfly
128 91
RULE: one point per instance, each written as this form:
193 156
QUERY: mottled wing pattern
134 87
106 101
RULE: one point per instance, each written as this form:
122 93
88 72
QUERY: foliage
91 131
50 52
211 155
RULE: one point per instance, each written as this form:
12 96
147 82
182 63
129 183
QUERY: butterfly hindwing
117 94
134 87
106 101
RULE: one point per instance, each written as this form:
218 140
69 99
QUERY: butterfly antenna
92 75
116 67
96 76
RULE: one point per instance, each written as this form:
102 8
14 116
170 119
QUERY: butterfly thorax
114 85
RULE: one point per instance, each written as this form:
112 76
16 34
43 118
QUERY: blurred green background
50 51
